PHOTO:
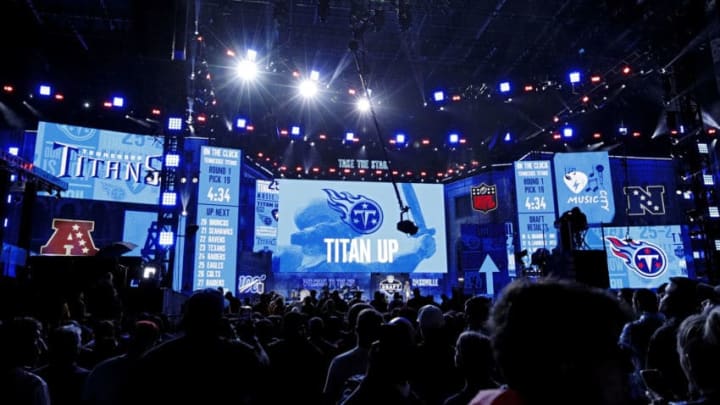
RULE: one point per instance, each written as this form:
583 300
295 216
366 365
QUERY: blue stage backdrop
340 226
101 165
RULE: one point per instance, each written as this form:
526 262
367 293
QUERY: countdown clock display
217 217
535 205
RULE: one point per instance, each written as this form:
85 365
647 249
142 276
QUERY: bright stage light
453 138
166 238
172 160
247 70
363 104
574 77
349 136
505 87
118 101
508 137
44 90
439 96
149 271
400 138
295 130
174 124
314 75
169 199
240 123
567 132
308 88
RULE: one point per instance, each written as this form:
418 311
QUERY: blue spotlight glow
567 132
454 138
508 137
439 96
44 90
295 130
166 238
400 138
575 77
172 160
505 87
169 199
349 136
241 123
118 102
175 123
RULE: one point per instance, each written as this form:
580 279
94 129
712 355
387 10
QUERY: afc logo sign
645 200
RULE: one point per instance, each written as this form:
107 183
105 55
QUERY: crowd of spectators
540 341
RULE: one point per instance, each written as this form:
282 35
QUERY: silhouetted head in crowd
20 342
644 300
391 354
431 322
354 311
294 326
680 298
145 334
699 348
64 345
477 312
708 296
203 313
556 342
368 326
474 356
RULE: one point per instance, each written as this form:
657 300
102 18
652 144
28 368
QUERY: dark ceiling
407 49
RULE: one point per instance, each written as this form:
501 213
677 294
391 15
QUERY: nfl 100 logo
484 197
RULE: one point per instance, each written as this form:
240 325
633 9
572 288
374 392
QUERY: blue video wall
643 256
101 165
340 226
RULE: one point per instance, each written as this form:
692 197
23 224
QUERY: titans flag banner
99 164
584 180
71 238
342 226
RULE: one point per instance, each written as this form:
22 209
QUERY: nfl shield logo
484 197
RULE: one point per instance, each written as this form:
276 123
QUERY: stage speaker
590 267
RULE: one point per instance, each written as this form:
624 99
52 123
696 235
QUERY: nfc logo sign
643 201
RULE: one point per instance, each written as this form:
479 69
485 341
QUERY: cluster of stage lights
47 91
248 70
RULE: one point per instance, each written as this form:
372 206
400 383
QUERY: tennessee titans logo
362 214
643 257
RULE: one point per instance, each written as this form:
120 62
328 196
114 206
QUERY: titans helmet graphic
642 257
362 214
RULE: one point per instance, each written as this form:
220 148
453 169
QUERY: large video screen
342 226
642 256
101 165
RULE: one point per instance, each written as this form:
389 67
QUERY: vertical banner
267 194
535 205
216 241
584 180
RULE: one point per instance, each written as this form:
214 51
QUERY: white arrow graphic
489 267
